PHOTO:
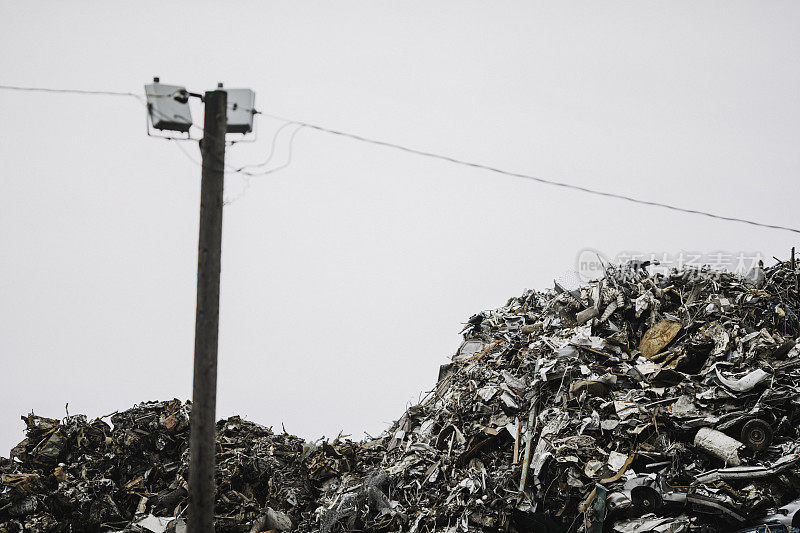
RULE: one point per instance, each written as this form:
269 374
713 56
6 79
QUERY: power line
187 154
70 91
288 162
440 157
537 179
271 150
139 97
246 175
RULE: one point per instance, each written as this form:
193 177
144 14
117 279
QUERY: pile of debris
637 403
75 475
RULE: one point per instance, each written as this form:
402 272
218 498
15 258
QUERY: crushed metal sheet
634 403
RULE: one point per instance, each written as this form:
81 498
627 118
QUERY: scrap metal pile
637 403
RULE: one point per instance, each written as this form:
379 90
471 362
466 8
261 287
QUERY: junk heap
637 403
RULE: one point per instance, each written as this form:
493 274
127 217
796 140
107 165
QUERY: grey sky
346 275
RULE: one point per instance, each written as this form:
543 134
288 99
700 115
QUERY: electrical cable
271 150
225 201
440 157
84 92
278 168
246 175
188 155
70 91
537 179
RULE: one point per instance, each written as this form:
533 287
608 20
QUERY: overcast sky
346 276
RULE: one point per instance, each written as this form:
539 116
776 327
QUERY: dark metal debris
636 403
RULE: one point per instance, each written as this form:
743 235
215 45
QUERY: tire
756 434
646 499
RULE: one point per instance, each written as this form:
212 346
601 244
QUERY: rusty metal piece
658 337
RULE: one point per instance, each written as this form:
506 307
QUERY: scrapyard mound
638 403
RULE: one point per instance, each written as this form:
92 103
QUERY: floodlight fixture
168 106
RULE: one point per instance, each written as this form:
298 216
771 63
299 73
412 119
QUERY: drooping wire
246 175
139 97
70 91
188 155
226 200
229 200
440 157
288 157
537 179
271 150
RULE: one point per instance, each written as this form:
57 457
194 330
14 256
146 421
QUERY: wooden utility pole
204 392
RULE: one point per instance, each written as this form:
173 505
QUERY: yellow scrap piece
59 473
658 337
22 482
621 471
